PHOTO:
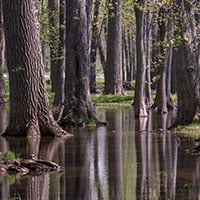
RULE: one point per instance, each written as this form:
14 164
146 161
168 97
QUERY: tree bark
139 98
161 97
29 108
113 79
187 67
77 104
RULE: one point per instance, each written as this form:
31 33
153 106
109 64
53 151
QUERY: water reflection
128 160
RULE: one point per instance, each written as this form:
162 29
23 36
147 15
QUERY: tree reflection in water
127 160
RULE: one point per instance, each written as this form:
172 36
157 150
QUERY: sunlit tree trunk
77 103
113 79
29 107
148 48
139 98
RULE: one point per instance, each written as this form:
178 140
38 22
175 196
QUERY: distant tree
113 79
29 108
2 60
53 40
77 102
59 83
94 46
139 98
187 63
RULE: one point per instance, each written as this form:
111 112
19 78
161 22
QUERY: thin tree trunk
93 51
139 98
2 60
59 85
53 29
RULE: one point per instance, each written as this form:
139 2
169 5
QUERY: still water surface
127 160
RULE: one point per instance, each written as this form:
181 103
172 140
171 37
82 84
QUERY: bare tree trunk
147 47
77 103
53 29
188 66
59 85
29 108
113 79
94 45
161 98
139 98
2 60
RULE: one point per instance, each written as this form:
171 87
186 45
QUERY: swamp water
127 160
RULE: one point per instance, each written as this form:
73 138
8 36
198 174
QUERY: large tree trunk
188 66
113 79
29 107
139 98
77 103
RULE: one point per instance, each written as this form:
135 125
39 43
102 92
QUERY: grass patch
104 99
9 155
191 132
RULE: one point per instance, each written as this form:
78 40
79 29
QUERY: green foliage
9 155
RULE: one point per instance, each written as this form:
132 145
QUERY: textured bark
29 107
188 66
161 96
77 103
139 98
113 82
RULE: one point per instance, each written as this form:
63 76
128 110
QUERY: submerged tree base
80 122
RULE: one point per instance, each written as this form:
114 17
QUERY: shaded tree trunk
2 60
29 107
53 40
77 103
188 66
161 98
59 84
113 82
139 98
93 50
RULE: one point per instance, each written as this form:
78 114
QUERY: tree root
28 166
